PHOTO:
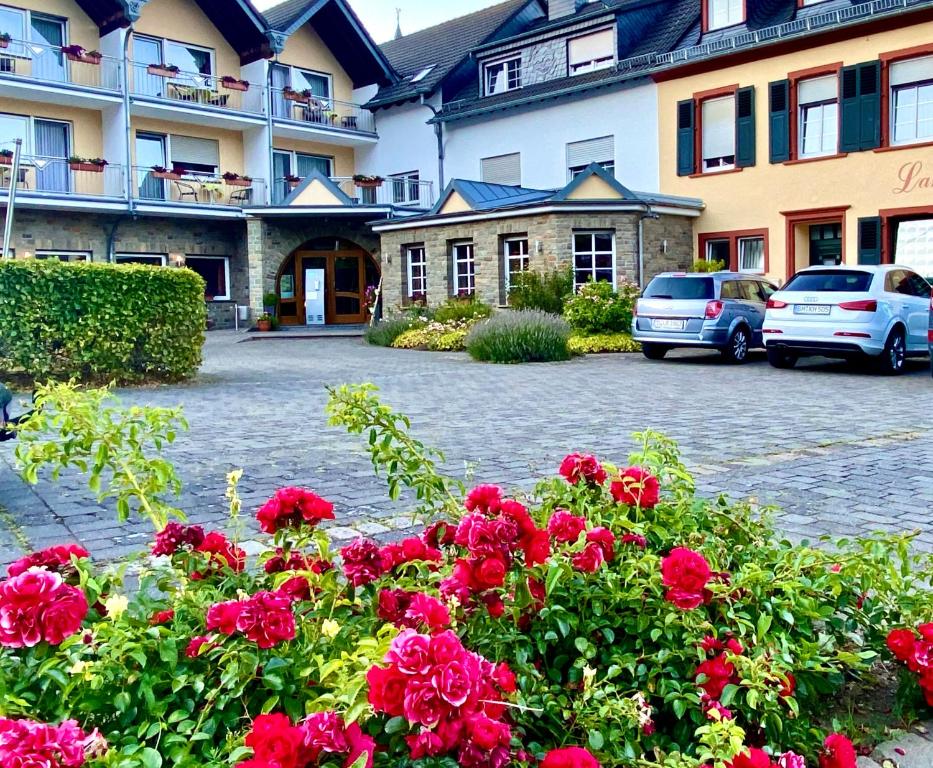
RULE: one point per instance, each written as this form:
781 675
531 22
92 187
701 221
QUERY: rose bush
611 617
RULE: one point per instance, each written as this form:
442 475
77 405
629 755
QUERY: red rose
297 589
711 644
489 573
789 685
39 606
486 733
392 604
838 752
926 631
57 558
484 498
718 673
291 507
637 488
324 732
537 547
590 559
605 539
386 689
494 605
686 573
577 466
423 703
362 562
175 536
505 678
429 611
569 757
425 744
275 741
410 652
267 619
633 538
438 534
751 758
162 617
196 644
482 536
223 616
565 527
901 643
358 743
453 682
221 553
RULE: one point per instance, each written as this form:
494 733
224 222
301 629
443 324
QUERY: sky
379 15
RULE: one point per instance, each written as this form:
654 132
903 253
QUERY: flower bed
611 618
596 343
435 337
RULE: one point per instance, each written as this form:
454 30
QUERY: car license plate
658 324
811 309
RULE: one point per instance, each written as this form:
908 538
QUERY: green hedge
100 321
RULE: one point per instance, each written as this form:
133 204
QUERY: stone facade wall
550 244
173 237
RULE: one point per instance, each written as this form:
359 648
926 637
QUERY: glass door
150 152
348 274
48 61
281 167
53 144
280 104
146 51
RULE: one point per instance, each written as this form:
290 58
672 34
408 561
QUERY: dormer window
591 52
724 13
502 76
422 74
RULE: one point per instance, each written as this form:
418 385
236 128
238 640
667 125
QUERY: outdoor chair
241 196
185 189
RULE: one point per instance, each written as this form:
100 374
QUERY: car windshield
680 288
831 281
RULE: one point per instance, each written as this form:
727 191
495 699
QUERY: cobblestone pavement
841 451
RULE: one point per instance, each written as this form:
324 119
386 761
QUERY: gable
594 188
455 203
316 193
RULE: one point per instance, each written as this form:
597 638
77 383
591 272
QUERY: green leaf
150 758
596 740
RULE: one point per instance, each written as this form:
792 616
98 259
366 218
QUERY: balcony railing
53 64
402 193
196 89
152 186
55 177
321 112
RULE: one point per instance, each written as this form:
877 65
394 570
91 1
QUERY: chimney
557 9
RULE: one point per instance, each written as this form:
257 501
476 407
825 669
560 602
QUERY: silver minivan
718 310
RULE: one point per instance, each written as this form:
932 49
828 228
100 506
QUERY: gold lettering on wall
912 177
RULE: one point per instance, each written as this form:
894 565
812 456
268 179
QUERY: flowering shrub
434 336
594 344
916 653
598 308
608 618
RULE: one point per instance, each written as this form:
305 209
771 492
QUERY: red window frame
887 59
698 98
794 79
733 236
704 17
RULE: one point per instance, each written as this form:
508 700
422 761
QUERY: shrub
456 309
434 337
524 336
545 291
591 344
597 308
701 265
100 321
385 332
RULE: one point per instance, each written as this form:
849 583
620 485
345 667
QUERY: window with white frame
406 188
152 259
14 127
911 100
515 256
581 154
718 250
752 254
63 255
503 76
417 267
13 23
192 60
818 116
588 53
718 140
593 257
464 268
318 83
215 271
724 13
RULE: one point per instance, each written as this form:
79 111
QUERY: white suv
849 312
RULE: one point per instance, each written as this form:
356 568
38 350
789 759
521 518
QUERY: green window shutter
779 121
686 127
745 127
860 112
869 240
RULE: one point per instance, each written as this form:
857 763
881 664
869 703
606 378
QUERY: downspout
648 214
439 134
128 184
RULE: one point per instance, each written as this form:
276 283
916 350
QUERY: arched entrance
324 282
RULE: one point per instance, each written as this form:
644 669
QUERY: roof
482 196
443 47
110 14
341 31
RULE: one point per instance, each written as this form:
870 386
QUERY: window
717 250
913 245
911 100
515 256
906 283
581 153
417 268
724 13
153 259
502 169
196 156
422 74
191 60
503 76
215 270
406 189
13 22
718 140
593 257
464 282
15 127
818 116
591 52
681 288
62 255
752 254
316 82
830 281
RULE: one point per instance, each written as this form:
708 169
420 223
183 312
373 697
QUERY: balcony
194 97
52 182
296 116
68 76
198 194
397 193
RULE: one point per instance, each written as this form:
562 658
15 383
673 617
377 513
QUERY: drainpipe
128 183
11 200
439 134
648 214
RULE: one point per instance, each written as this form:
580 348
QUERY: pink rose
565 527
410 652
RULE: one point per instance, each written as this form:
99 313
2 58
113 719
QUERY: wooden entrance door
345 286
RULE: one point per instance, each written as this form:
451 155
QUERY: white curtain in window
589 47
752 254
818 89
914 246
912 71
719 127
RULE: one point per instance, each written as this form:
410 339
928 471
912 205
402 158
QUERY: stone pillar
255 252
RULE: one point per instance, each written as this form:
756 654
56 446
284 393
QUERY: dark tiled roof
282 16
543 25
443 46
668 32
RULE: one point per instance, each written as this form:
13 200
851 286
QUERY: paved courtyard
841 451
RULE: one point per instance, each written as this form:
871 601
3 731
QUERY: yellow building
809 140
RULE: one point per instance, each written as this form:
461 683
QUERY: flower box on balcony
5 41
90 167
233 84
293 181
169 175
77 53
162 70
240 182
290 95
368 182
6 159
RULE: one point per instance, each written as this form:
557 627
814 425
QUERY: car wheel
781 359
892 358
654 351
736 351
